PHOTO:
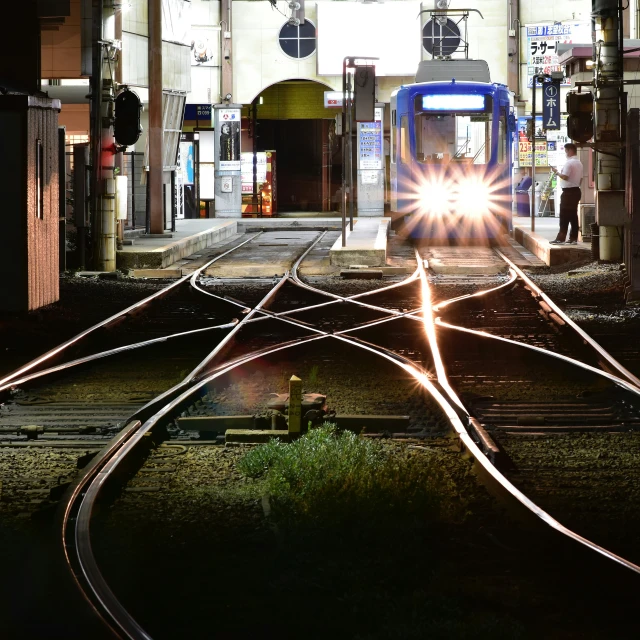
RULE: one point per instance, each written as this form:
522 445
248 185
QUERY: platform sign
542 46
551 105
370 143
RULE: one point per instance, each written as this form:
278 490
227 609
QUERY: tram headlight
435 198
474 198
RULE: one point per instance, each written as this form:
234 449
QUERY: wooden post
295 405
156 202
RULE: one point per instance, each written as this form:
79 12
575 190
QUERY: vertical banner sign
229 140
551 105
542 46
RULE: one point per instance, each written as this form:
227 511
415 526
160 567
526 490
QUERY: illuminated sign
453 102
389 32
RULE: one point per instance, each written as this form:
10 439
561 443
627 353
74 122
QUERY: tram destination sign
454 102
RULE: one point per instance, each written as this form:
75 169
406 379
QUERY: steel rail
122 619
513 276
477 452
111 352
625 373
111 319
621 382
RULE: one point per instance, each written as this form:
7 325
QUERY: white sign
226 184
247 170
333 99
369 177
390 32
543 41
370 143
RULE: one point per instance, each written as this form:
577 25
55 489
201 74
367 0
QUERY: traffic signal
580 120
126 126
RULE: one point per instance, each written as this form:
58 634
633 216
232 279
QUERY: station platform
160 252
366 245
537 242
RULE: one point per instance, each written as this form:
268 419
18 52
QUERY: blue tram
451 148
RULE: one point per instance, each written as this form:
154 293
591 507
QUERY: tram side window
392 144
502 138
404 140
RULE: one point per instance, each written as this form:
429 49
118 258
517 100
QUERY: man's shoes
556 242
572 242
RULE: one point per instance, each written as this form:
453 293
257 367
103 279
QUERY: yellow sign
524 153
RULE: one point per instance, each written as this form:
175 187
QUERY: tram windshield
443 138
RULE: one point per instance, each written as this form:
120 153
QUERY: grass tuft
339 478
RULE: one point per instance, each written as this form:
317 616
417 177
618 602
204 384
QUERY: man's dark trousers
569 213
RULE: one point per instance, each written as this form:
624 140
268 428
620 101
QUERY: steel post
156 203
608 78
226 60
105 257
532 204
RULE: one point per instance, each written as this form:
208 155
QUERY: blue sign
197 112
551 105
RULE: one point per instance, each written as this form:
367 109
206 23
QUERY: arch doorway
291 119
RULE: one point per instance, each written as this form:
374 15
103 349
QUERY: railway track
552 409
361 323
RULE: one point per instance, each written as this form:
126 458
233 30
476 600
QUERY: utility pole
119 158
156 165
226 62
608 125
104 145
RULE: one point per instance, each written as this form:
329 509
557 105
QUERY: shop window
298 41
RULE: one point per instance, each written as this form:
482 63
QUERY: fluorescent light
453 102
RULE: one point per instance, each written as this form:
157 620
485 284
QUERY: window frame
298 39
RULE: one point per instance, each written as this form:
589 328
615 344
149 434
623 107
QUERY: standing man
570 177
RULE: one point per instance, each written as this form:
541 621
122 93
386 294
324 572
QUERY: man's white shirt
573 169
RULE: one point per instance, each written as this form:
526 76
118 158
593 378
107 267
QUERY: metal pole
96 130
106 240
608 77
344 153
349 87
254 119
133 189
174 196
156 213
533 156
119 158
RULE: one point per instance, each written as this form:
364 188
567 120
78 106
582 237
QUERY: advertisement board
549 143
247 170
542 46
229 140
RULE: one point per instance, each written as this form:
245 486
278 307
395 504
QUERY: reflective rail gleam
607 357
470 444
81 506
18 375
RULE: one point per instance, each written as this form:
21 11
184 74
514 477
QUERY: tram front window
445 138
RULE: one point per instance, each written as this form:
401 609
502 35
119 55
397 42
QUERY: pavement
366 245
537 241
160 252
371 244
